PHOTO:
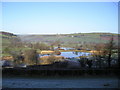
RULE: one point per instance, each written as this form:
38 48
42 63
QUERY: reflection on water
71 54
74 54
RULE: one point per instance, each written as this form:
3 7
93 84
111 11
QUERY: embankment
57 72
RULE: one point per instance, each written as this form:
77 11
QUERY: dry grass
47 52
50 59
7 58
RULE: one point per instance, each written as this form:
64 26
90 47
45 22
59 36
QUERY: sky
59 17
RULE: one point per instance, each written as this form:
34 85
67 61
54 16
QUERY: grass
66 38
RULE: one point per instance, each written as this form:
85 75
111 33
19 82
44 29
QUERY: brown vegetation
56 52
47 52
7 58
50 59
31 56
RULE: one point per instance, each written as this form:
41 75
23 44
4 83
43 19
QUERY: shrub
31 56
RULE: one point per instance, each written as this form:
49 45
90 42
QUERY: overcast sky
59 17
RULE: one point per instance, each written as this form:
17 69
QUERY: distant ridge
7 33
12 34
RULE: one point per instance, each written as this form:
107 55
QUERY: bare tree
17 57
100 53
41 46
31 56
56 43
109 48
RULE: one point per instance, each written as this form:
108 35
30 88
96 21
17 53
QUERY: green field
81 38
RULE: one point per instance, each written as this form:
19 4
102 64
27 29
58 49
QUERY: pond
72 54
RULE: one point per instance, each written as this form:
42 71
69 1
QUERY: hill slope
70 38
7 38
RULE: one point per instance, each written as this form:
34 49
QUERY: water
72 54
76 82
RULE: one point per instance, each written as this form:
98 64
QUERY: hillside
77 38
8 42
7 34
7 38
64 39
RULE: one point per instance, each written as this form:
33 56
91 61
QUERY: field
81 38
77 38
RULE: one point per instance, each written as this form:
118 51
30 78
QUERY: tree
109 48
31 56
41 46
56 43
17 57
100 48
83 61
89 63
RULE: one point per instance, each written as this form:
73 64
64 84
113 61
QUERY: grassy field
68 38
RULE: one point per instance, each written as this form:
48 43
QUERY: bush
31 56
50 59
17 57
